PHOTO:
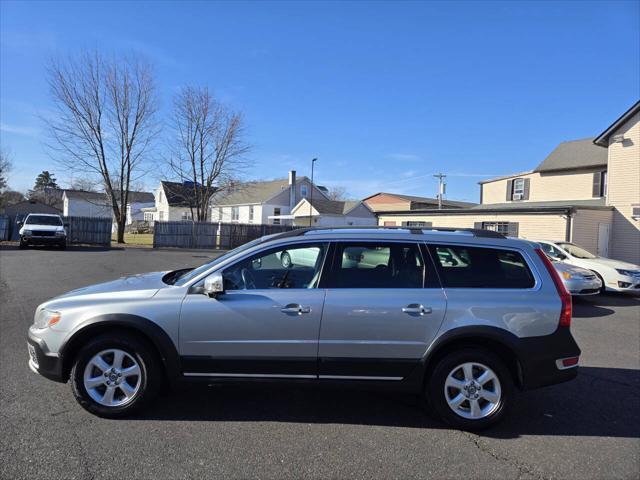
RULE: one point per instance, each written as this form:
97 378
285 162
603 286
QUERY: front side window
377 265
475 267
294 266
235 213
551 251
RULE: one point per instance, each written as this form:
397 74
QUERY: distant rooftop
574 154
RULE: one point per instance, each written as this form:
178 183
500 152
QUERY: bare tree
5 167
209 151
84 184
105 122
337 193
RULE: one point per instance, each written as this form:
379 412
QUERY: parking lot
589 428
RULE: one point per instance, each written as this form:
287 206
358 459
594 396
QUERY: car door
265 324
383 307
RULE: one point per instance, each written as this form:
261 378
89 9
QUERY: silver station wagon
462 317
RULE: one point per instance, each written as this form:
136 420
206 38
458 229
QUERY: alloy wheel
112 378
472 390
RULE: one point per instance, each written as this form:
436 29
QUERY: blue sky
384 93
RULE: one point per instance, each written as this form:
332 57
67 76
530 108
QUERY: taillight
565 296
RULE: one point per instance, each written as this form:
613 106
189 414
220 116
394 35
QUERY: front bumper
539 358
41 361
625 283
36 240
583 286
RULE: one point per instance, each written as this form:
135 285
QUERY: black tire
63 245
23 244
285 260
435 388
144 355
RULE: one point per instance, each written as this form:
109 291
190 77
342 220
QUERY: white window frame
518 188
276 211
304 191
500 227
250 213
235 214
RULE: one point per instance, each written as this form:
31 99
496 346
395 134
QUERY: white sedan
616 276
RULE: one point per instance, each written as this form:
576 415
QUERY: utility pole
313 162
441 188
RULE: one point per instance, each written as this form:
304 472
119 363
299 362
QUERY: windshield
43 220
576 251
203 268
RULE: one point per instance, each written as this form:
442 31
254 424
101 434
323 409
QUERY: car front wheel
113 376
470 389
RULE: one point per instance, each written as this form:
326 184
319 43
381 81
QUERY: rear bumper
539 359
41 361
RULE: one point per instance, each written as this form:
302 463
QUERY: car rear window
477 267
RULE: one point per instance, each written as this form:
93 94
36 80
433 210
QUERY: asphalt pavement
588 428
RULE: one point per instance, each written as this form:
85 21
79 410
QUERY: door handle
295 308
416 308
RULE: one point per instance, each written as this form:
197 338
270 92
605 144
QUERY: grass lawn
144 239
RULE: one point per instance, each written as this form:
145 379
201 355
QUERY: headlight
46 318
627 273
26 232
566 275
60 233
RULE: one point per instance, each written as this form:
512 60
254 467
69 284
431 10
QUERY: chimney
292 190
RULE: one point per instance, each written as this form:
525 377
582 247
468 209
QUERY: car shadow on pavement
595 306
600 402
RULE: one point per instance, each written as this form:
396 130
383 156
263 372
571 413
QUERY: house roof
592 202
254 192
603 139
502 177
134 197
572 155
179 194
412 198
331 207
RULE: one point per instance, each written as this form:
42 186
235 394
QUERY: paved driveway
589 428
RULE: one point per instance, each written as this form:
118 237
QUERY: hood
610 262
572 269
42 228
133 286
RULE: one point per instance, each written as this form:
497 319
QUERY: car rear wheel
113 376
23 244
470 389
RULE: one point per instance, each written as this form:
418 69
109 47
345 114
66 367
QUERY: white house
321 212
173 201
79 203
264 202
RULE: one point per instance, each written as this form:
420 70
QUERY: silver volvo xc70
461 316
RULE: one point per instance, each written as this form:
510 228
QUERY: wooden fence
85 230
88 230
183 234
5 222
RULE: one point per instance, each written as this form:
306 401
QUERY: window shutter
477 225
512 229
597 181
525 196
509 190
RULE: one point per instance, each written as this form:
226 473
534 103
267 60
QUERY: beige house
263 202
581 192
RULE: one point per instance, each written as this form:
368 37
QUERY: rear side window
377 265
475 267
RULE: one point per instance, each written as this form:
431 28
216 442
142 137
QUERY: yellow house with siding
586 191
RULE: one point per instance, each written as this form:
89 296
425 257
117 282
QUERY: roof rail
414 230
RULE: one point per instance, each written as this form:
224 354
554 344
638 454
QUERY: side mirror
214 284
